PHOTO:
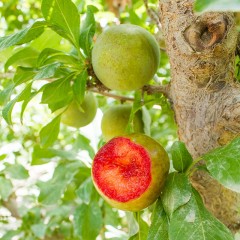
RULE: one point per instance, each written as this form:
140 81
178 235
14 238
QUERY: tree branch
11 206
151 89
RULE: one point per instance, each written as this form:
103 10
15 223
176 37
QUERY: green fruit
125 57
129 172
115 121
79 116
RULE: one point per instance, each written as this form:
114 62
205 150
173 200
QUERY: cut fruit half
130 171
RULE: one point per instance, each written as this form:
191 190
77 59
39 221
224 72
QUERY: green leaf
39 229
79 86
7 110
10 234
25 103
60 105
223 164
85 190
180 156
52 190
67 60
83 143
3 156
23 75
133 226
85 41
50 55
59 211
217 5
177 192
16 171
111 216
87 32
56 91
41 155
26 93
47 71
44 155
45 54
192 221
50 194
142 228
23 36
89 21
6 93
64 15
6 188
88 221
49 133
49 39
159 226
26 57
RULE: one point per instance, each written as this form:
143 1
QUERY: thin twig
6 75
111 95
153 15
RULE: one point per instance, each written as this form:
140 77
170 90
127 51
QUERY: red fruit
129 172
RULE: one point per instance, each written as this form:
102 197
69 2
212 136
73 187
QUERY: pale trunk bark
204 94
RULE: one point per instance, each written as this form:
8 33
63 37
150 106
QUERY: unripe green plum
80 116
125 57
115 121
129 172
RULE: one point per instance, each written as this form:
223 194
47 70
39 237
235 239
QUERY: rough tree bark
203 91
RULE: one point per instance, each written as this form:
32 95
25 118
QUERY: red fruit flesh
122 169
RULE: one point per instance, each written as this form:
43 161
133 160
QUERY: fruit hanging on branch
129 172
115 121
80 115
125 57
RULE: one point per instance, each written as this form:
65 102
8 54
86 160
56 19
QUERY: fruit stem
138 220
153 15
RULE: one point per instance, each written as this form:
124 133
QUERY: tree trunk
203 91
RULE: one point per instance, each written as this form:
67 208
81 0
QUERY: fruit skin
115 120
125 57
159 171
76 116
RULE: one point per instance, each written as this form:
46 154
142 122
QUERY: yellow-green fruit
125 57
115 121
80 116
